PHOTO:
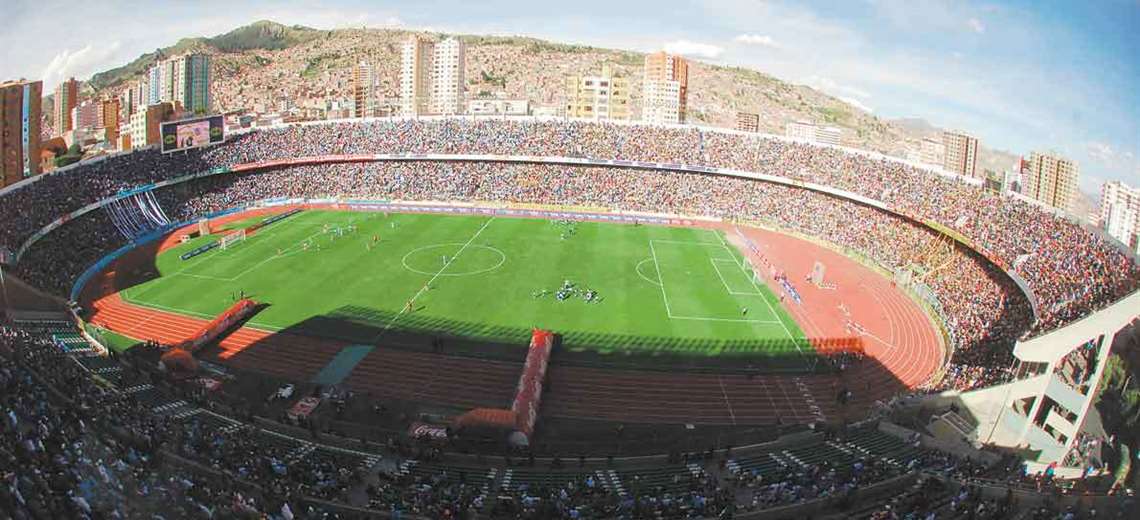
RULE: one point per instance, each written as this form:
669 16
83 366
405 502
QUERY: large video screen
192 133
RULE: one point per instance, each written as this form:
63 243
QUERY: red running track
895 329
896 332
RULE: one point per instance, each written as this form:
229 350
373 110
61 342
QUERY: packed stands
1070 270
982 340
1057 257
130 449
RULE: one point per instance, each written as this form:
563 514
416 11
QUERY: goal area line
756 292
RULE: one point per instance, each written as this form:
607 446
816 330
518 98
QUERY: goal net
232 239
750 271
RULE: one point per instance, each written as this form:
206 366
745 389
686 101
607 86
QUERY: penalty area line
724 281
642 275
727 320
775 313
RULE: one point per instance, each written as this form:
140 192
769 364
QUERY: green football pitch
677 291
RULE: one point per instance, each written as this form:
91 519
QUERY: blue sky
1022 75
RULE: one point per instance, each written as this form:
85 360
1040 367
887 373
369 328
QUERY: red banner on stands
529 393
223 322
304 407
422 430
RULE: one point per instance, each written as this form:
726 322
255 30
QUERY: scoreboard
192 133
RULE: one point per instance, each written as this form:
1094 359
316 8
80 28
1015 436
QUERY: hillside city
268 74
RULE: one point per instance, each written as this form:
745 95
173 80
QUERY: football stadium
476 312
375 272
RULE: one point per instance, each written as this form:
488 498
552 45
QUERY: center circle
472 259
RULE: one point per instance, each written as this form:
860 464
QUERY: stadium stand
96 440
1053 255
889 240
100 443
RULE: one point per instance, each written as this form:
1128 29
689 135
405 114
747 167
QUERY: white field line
669 312
721 276
285 252
731 291
257 237
770 307
437 274
203 277
661 278
642 275
720 237
777 315
728 320
171 309
133 298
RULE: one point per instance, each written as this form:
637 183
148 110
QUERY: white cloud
1112 159
393 21
1101 151
826 84
694 49
330 18
80 63
762 40
934 17
1111 156
856 103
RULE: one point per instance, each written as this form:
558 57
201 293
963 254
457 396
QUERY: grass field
667 290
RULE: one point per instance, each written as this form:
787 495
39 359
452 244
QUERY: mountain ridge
262 34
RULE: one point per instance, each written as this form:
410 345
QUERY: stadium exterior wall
1015 429
992 408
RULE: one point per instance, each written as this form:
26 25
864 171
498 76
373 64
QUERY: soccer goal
232 239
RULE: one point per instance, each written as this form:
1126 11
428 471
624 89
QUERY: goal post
232 239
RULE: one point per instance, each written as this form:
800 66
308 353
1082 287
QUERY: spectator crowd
1070 270
76 446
